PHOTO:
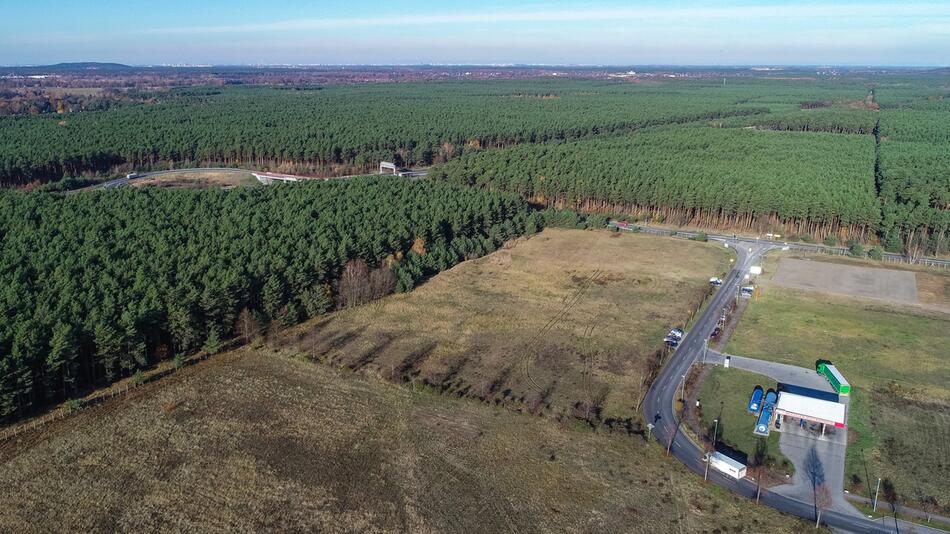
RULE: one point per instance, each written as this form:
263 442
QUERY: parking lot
886 284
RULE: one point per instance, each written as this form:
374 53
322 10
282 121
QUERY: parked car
677 333
715 281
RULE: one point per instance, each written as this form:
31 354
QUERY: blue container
755 403
768 407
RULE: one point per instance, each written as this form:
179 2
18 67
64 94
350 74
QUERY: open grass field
257 441
896 359
568 323
725 394
198 179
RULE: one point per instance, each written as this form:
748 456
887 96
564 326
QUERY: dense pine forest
98 285
811 183
870 169
342 129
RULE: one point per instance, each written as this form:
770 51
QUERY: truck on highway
726 465
829 371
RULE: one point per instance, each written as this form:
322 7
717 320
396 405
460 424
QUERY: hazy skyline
493 32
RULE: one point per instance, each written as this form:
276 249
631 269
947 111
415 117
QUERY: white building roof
810 408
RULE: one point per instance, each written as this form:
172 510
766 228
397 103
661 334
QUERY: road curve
806 247
658 407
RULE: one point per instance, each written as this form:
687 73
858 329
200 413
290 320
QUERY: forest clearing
193 179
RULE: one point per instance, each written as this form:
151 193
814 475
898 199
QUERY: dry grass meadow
568 323
351 423
256 441
198 180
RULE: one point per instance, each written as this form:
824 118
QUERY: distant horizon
912 33
495 65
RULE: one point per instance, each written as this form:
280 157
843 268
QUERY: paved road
658 408
806 247
780 372
796 444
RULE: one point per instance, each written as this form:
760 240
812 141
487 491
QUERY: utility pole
683 391
715 433
876 492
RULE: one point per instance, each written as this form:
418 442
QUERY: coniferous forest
98 285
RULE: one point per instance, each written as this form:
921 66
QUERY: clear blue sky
476 31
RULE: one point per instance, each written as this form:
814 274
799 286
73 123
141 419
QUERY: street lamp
715 432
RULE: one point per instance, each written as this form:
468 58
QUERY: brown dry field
933 283
566 323
254 440
198 179
851 280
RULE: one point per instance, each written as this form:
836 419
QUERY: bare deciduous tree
893 498
359 285
822 501
354 286
815 474
247 325
382 282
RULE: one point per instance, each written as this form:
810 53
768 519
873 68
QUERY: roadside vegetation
894 358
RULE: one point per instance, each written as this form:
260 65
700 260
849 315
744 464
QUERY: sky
606 32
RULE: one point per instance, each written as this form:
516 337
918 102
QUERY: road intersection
659 411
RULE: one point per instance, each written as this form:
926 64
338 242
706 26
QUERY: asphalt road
780 372
658 407
806 247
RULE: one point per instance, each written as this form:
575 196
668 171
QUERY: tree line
808 183
96 286
340 129
912 172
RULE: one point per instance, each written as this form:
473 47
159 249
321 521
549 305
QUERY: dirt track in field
895 286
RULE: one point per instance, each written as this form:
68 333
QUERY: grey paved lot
868 282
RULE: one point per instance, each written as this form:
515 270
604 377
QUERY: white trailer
726 465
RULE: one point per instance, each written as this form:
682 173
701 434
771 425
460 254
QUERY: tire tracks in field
531 354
